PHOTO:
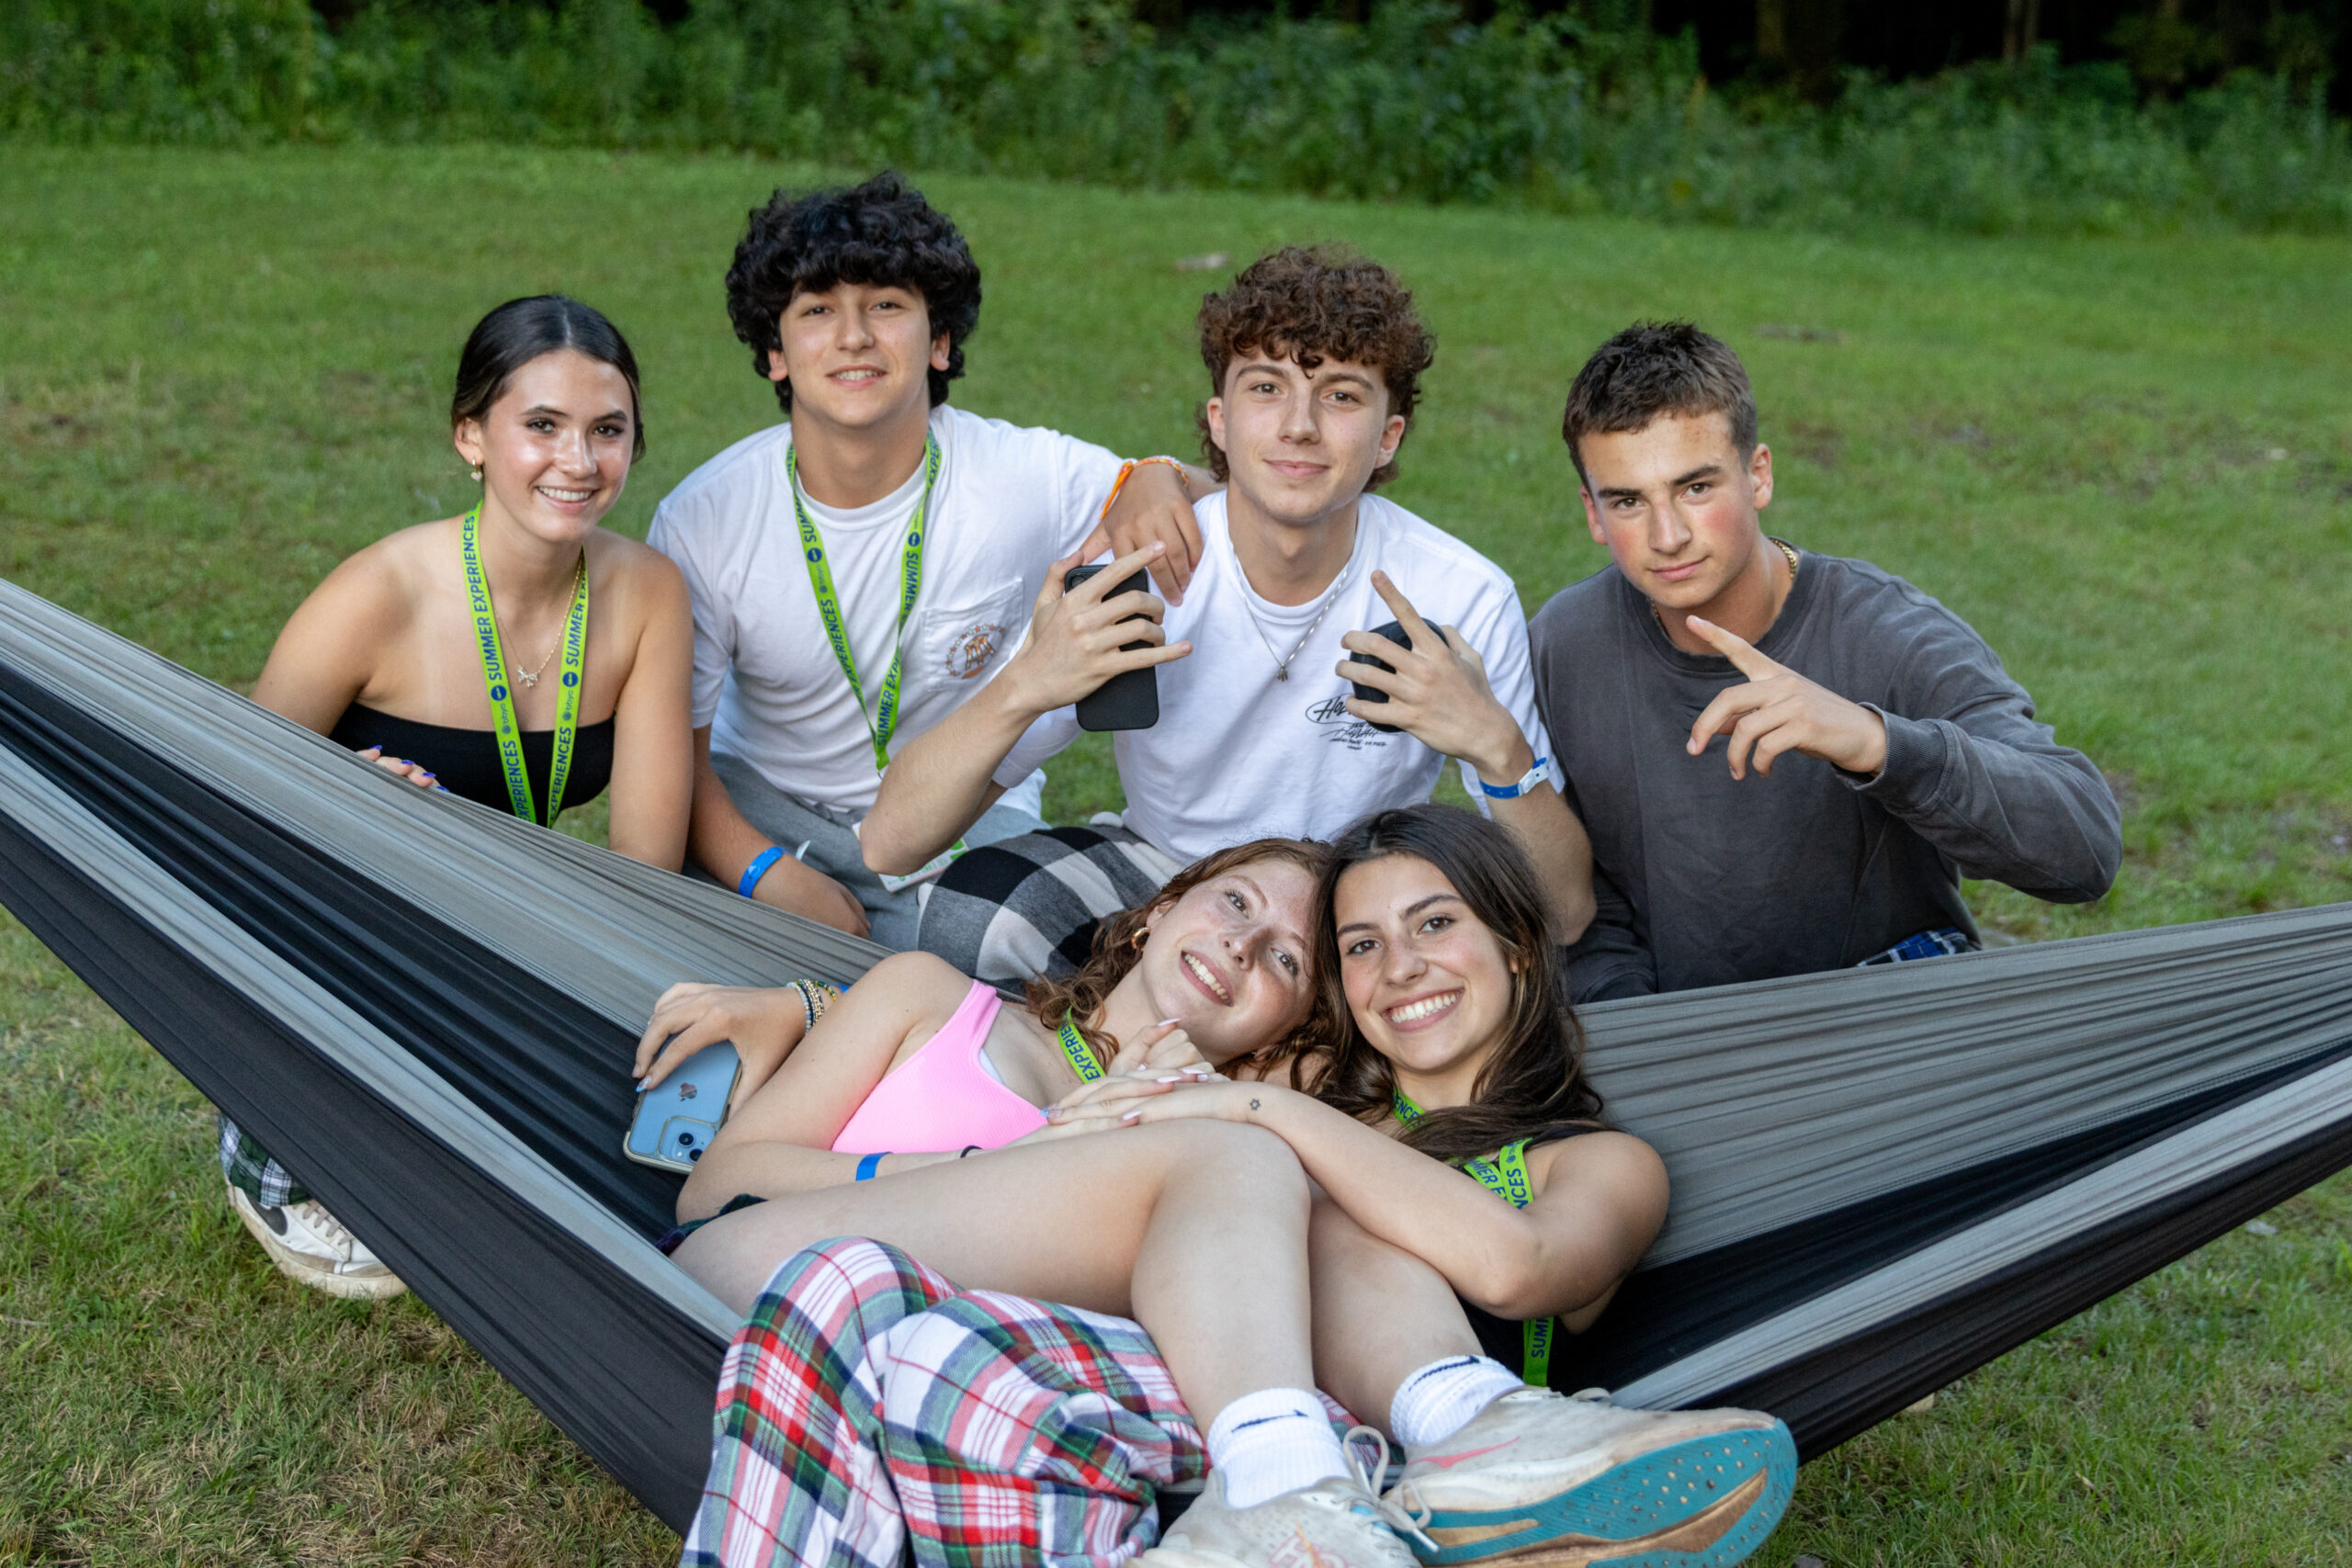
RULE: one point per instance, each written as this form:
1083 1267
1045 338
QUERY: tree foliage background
1994 116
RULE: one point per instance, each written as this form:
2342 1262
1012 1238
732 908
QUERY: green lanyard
1505 1175
885 719
1074 1046
502 702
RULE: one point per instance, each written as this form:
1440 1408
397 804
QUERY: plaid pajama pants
868 1404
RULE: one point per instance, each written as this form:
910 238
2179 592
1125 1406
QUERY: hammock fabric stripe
1883 1177
616 1365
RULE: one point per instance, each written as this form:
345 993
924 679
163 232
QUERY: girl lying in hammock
1153 1199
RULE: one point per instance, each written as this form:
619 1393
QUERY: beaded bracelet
816 999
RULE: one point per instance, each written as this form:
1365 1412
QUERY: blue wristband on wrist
758 868
1528 781
867 1167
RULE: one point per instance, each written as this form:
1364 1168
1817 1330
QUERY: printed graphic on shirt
1336 726
972 648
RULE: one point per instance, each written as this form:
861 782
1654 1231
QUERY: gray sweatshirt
1703 879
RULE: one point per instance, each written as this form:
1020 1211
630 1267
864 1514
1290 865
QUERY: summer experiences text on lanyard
502 699
1505 1175
1080 1051
884 720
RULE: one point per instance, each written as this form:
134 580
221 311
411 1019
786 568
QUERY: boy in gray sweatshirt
1787 761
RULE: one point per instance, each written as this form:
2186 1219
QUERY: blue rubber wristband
1537 775
867 1167
758 868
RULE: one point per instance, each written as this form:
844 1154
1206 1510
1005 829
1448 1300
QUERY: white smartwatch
1533 776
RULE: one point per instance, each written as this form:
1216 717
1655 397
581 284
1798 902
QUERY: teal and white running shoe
1549 1482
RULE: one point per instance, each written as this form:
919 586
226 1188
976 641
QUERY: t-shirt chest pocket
964 639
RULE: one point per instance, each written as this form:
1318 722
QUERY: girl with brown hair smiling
1127 1199
1457 1082
463 655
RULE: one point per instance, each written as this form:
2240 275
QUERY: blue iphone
675 1123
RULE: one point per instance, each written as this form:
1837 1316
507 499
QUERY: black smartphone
1124 702
1395 632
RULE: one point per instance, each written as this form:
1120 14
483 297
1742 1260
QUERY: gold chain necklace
1786 548
531 677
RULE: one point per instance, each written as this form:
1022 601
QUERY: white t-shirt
1009 501
1237 754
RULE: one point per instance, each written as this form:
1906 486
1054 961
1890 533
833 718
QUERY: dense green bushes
1555 111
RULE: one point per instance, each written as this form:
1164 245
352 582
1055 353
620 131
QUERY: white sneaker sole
373 1283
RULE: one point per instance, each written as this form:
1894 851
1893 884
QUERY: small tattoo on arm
1253 1105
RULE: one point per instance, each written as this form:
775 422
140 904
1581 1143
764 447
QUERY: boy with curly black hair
1314 359
921 533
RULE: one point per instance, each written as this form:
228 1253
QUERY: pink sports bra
941 1098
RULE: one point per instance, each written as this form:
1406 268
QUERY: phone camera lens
686 1140
692 1154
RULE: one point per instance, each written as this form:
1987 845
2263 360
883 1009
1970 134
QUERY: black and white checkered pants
1029 906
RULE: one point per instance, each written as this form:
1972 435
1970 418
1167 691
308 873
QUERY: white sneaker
311 1245
1542 1479
1338 1523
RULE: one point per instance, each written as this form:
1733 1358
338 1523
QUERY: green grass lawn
2128 463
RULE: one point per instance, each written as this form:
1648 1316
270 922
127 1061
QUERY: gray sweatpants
832 848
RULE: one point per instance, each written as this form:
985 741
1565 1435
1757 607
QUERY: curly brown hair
1118 945
1308 304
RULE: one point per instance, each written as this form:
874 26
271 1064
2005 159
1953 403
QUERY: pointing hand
1778 710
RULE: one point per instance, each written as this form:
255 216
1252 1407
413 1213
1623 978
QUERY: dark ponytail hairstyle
1534 1085
519 331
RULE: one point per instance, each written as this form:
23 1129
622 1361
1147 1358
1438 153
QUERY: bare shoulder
919 982
1618 1158
628 572
381 582
631 560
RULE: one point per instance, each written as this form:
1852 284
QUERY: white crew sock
1440 1400
1274 1442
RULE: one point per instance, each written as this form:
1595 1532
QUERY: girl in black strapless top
446 627
522 615
466 761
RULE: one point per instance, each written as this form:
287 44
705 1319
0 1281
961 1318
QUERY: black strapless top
465 761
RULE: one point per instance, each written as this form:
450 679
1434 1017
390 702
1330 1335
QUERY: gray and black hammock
1883 1177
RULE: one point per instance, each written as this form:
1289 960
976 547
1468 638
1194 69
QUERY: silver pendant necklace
1331 597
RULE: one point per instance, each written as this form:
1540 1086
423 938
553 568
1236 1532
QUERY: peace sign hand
1437 690
1779 710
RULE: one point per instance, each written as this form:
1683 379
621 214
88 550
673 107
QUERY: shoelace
1390 1508
1398 1494
327 1228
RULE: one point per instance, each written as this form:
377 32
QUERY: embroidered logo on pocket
969 652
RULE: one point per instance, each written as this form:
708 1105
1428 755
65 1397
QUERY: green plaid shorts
252 1170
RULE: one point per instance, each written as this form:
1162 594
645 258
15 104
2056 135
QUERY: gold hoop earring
1141 936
